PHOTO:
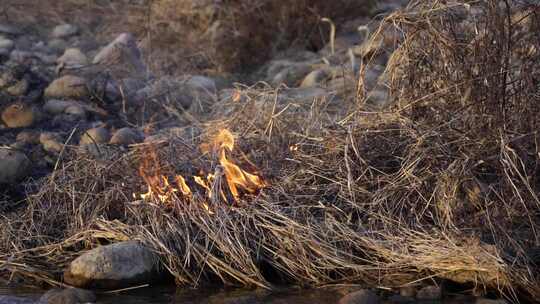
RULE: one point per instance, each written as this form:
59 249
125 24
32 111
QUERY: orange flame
237 179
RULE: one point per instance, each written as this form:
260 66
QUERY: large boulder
14 165
113 266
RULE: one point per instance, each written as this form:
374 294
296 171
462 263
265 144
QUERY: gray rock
9 29
113 266
165 90
51 142
57 45
99 135
72 58
123 50
15 300
6 44
14 165
28 137
76 112
67 87
48 59
126 136
65 30
21 56
57 106
429 293
363 296
67 296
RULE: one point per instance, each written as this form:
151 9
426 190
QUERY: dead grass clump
442 186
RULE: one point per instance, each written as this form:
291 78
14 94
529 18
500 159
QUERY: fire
238 181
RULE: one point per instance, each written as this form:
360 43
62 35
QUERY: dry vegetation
444 184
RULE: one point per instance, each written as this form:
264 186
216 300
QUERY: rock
19 115
15 300
14 165
98 135
399 299
291 76
202 83
126 136
28 137
490 301
67 296
314 78
67 87
123 50
165 90
72 58
9 29
429 293
363 296
378 98
65 30
51 142
19 88
6 44
113 266
45 58
76 112
57 45
56 106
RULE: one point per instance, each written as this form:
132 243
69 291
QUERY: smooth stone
123 49
76 111
9 29
98 135
113 266
429 293
6 44
19 88
21 56
57 45
64 30
68 296
67 86
51 142
14 165
19 115
72 58
15 300
57 106
126 136
363 296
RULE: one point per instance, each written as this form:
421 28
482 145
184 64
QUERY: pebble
51 142
72 58
314 78
19 88
6 44
19 115
14 165
68 296
123 49
9 29
57 106
126 136
57 45
64 30
97 135
67 87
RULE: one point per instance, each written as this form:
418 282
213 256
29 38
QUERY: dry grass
443 185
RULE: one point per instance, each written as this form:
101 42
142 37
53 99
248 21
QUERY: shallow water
170 295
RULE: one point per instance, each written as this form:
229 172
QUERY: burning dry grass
443 186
